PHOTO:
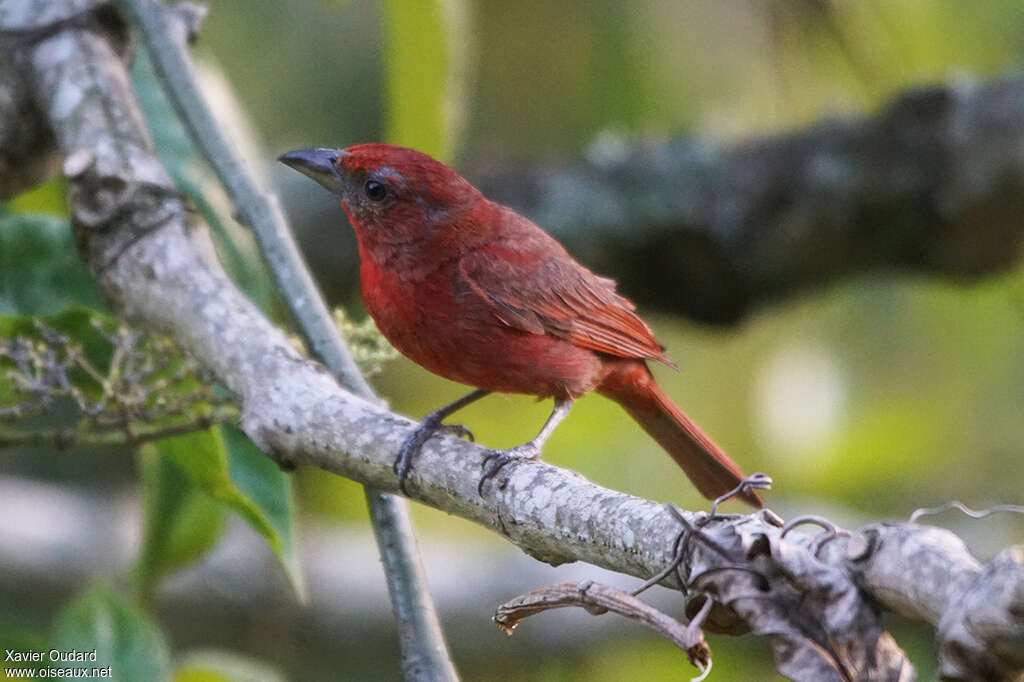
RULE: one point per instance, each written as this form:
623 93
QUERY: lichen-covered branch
933 182
817 598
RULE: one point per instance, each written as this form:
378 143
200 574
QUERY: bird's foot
496 460
457 430
428 428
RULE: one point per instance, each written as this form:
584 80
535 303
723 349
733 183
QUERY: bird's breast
417 314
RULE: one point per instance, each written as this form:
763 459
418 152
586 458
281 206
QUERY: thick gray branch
817 600
933 182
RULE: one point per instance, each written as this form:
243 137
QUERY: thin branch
598 599
424 653
84 436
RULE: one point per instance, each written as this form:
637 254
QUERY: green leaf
19 637
224 666
425 73
182 521
201 456
88 328
40 270
122 636
227 466
258 478
49 198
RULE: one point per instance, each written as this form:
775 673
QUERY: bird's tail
631 385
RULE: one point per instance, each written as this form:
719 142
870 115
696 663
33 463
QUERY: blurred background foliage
864 400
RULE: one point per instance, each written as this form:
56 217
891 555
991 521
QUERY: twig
542 599
597 599
424 651
974 514
83 436
755 481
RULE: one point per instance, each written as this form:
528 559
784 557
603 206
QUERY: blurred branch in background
934 182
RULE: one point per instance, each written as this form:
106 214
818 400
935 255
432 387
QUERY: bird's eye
375 191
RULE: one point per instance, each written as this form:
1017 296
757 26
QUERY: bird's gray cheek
434 214
350 197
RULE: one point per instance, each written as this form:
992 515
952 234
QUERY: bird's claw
415 440
410 446
457 430
496 460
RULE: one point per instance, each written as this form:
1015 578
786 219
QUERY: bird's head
385 189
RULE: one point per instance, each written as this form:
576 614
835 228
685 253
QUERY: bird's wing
549 293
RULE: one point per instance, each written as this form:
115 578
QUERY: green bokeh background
864 400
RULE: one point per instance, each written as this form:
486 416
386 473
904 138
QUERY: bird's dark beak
319 164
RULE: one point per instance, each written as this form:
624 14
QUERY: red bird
475 292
